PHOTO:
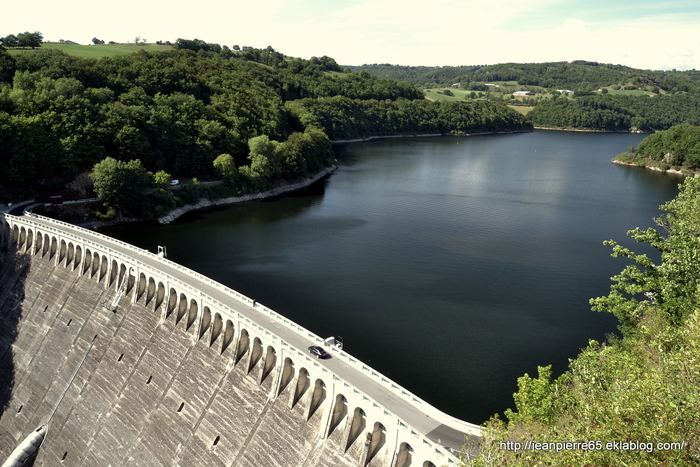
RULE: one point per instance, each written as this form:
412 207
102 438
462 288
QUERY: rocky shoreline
277 191
657 169
588 131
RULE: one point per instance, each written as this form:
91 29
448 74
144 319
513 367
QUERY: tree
162 179
671 286
226 167
190 192
264 157
30 39
10 41
7 66
97 41
226 52
121 185
535 397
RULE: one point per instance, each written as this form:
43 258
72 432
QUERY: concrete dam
183 370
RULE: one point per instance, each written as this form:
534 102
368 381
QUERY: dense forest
677 148
632 400
618 113
344 118
421 76
575 75
179 110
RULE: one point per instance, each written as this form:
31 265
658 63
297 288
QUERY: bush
158 204
106 216
223 191
189 193
630 158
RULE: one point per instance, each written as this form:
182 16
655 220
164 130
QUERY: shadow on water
315 189
652 178
250 212
14 267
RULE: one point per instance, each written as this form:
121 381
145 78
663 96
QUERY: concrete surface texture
176 376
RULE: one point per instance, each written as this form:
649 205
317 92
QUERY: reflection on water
453 265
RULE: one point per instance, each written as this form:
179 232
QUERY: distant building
523 93
564 91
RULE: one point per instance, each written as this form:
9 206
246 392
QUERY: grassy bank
521 108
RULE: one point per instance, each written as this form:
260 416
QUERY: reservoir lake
452 265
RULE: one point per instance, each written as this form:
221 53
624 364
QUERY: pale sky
642 34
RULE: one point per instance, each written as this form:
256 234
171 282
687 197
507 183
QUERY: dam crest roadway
188 371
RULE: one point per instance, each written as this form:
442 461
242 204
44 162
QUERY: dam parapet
312 410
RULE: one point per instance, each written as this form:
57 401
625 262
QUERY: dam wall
184 371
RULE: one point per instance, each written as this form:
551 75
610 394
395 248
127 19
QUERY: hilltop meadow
99 50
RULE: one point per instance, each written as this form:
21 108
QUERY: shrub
106 216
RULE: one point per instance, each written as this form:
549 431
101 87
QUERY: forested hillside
632 400
576 75
178 110
677 148
618 113
344 118
421 76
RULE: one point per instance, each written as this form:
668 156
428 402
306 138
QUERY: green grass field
434 95
522 109
97 51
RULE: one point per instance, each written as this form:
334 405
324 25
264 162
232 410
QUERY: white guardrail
395 388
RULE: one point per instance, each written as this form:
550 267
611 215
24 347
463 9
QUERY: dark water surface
453 265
